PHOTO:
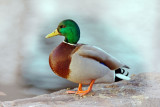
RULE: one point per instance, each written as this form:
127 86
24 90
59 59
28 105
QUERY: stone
142 90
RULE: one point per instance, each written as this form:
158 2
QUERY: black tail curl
120 71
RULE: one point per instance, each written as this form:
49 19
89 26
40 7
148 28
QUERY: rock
142 90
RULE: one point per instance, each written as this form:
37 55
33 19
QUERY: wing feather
101 56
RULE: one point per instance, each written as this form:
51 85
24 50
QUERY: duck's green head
69 29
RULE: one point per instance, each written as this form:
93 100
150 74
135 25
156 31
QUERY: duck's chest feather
60 59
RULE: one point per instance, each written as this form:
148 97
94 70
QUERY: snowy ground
129 30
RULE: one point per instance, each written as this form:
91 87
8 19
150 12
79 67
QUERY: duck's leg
81 92
73 92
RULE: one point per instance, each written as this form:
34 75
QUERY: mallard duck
82 63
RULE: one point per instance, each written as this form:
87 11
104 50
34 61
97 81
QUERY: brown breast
60 59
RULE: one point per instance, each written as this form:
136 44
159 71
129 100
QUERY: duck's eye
62 26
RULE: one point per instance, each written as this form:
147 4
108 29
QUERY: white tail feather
121 76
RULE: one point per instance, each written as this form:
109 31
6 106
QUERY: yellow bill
55 33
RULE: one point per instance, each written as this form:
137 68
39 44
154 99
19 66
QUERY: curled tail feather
120 74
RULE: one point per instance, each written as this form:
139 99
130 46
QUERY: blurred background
127 29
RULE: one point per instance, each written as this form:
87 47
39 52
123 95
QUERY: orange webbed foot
80 92
71 92
74 92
